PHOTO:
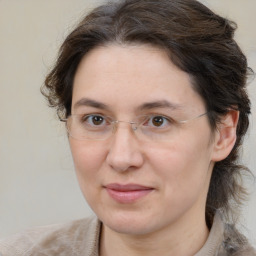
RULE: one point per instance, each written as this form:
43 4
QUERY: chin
127 223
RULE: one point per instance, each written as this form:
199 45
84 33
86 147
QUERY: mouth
128 193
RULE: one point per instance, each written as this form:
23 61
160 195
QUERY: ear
225 136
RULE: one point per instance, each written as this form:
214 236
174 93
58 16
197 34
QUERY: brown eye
157 121
94 120
97 120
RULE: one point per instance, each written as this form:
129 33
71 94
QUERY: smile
129 193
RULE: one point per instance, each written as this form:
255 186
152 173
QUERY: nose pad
134 126
114 126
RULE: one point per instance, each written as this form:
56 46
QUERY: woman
154 100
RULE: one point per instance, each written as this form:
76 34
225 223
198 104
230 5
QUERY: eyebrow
90 103
145 106
159 104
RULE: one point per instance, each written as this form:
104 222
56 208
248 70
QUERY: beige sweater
81 238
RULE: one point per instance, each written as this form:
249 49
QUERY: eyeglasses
99 127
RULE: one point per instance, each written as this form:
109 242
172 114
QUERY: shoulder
235 243
71 238
225 240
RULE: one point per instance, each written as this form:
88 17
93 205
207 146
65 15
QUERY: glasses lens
146 127
83 128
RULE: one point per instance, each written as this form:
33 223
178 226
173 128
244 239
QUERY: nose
124 152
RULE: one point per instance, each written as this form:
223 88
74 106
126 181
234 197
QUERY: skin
170 220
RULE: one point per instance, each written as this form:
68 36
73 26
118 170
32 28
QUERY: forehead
118 75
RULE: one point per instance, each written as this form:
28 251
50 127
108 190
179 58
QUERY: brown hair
198 41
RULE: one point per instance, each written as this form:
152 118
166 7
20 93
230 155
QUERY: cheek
184 176
183 164
87 157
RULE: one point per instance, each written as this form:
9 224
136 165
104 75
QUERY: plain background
37 183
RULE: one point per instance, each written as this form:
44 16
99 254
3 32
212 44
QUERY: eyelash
86 117
151 117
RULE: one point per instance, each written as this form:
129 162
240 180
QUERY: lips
127 193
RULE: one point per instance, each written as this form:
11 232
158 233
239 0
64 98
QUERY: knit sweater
81 237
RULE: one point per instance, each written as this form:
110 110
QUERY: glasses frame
132 123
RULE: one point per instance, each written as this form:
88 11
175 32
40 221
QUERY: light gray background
37 183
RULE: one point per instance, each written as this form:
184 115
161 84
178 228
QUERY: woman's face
138 186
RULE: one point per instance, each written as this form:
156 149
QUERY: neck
186 238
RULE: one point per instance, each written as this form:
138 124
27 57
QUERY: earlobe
225 136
